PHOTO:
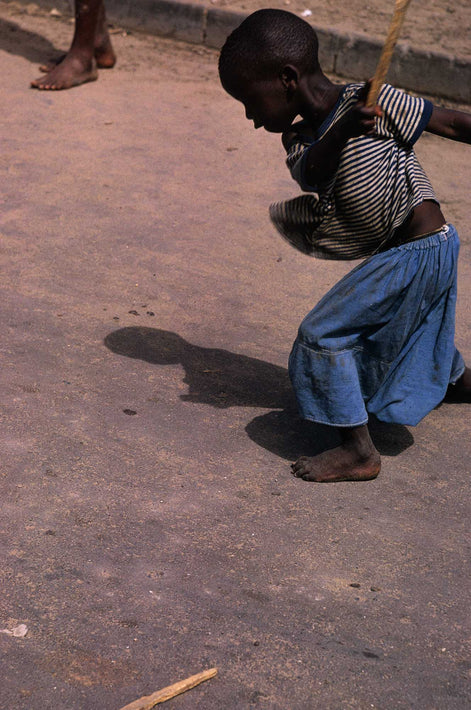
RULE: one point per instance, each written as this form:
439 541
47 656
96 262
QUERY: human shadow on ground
31 46
224 379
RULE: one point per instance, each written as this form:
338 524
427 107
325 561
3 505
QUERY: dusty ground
150 526
441 25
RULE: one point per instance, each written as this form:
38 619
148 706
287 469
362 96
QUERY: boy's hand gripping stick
387 51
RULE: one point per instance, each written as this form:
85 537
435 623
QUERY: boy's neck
319 96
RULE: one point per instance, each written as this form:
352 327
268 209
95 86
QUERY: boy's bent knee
312 334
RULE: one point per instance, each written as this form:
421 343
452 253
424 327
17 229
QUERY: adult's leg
104 53
356 459
79 65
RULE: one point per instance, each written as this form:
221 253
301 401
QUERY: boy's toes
298 467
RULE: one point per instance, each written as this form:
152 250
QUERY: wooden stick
387 52
160 696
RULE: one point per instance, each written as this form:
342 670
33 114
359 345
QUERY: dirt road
438 25
150 525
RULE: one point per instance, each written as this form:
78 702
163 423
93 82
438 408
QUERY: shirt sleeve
404 118
295 161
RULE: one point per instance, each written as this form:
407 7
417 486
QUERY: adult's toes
38 83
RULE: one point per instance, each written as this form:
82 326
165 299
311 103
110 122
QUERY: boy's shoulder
351 90
303 132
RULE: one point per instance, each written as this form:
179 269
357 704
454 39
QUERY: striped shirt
377 184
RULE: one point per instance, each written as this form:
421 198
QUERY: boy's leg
356 459
78 65
461 390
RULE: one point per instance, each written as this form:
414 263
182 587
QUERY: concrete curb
346 54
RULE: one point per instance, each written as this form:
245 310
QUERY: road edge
345 54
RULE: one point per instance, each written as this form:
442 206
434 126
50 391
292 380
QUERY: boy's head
262 58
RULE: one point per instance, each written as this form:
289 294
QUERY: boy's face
268 104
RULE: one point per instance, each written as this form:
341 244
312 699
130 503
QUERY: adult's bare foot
104 56
104 52
72 71
340 464
52 63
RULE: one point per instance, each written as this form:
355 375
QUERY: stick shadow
222 379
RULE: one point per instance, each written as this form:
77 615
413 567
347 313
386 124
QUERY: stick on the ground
160 696
387 51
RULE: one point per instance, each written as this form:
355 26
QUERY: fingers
364 91
367 121
363 96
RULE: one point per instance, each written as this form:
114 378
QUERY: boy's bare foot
461 391
72 71
104 56
355 460
336 465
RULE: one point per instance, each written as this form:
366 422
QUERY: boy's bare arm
449 123
323 156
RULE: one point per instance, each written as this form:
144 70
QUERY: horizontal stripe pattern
378 182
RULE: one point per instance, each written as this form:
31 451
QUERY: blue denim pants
382 340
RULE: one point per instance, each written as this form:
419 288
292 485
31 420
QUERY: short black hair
263 44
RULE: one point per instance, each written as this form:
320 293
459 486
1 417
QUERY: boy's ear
290 77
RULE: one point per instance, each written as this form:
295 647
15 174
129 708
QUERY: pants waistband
397 242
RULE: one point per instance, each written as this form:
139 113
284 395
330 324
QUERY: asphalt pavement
150 525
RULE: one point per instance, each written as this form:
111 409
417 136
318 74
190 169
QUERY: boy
382 340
